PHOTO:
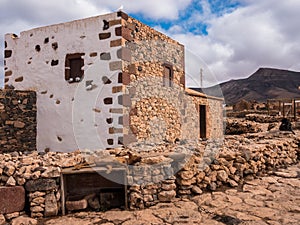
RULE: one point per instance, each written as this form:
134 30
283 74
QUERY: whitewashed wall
69 117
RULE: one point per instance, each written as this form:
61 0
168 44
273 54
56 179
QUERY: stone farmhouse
111 82
100 83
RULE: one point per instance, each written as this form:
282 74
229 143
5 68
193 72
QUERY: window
73 67
168 75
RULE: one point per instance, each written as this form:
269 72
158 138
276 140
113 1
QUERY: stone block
182 80
19 124
11 216
124 100
24 220
11 181
113 130
166 196
40 185
9 170
93 54
114 22
116 43
124 32
131 26
51 208
2 220
117 89
125 120
124 54
117 111
103 36
123 15
132 69
128 139
168 187
105 56
36 209
12 199
117 65
125 78
76 205
8 73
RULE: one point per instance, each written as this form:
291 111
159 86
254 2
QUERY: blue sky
217 7
228 39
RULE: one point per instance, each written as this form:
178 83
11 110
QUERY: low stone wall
157 173
17 121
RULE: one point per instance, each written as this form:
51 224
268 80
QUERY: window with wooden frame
73 67
168 75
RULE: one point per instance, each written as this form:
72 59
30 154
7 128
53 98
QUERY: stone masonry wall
154 111
160 113
150 51
166 172
212 166
17 121
145 53
214 115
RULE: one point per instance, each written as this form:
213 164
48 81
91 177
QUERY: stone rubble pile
237 127
155 173
262 118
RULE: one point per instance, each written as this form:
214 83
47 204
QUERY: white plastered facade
70 116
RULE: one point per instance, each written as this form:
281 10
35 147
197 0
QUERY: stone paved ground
274 200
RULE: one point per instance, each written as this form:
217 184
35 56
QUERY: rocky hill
265 83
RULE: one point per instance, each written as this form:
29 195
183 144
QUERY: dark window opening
54 45
73 67
120 78
54 62
106 80
110 141
38 48
108 101
7 53
167 75
106 25
109 120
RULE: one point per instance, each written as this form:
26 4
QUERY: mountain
265 83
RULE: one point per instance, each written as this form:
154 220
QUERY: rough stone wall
17 121
150 50
181 171
150 184
153 111
214 116
212 166
159 113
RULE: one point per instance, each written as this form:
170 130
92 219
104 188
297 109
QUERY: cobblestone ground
273 199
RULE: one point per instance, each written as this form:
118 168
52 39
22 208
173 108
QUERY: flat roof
199 94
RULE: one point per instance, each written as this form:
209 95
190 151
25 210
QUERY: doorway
202 121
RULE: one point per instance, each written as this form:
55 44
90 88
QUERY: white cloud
17 16
259 34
